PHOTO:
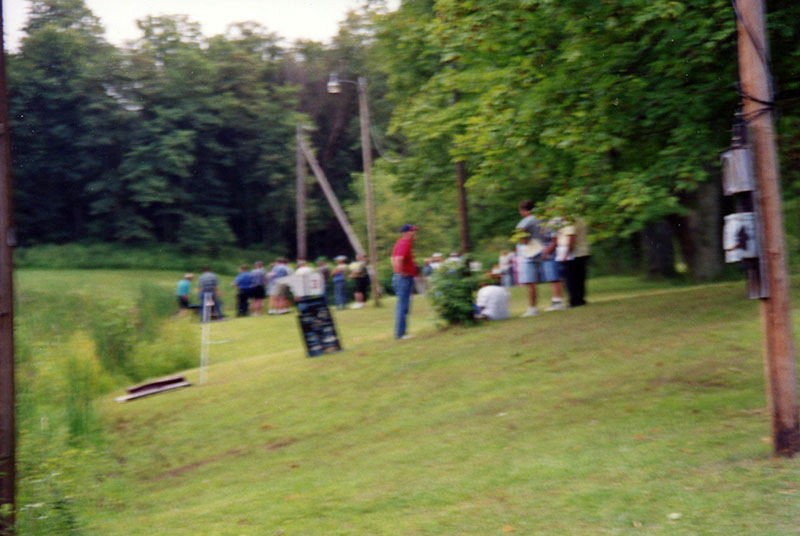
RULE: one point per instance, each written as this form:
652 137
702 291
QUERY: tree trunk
658 251
699 232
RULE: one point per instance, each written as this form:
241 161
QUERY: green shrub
451 294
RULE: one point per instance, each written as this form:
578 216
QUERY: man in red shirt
405 269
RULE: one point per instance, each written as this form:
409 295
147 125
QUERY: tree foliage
615 110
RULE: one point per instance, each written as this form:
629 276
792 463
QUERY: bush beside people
452 295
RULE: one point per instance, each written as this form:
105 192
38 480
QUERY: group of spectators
254 286
554 252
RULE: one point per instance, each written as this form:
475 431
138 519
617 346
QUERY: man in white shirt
493 300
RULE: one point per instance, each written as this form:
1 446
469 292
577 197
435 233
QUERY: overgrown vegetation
74 345
107 256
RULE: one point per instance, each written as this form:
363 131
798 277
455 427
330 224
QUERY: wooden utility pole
366 155
302 244
7 241
756 84
331 196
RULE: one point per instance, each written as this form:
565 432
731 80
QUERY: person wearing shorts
537 264
258 291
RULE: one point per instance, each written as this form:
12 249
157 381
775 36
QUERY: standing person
278 303
258 290
436 261
243 283
534 266
506 269
182 292
360 277
550 253
325 271
339 276
574 239
405 269
423 279
207 284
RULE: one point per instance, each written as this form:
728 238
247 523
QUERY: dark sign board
316 324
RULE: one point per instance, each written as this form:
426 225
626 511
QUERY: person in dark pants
405 270
575 237
244 284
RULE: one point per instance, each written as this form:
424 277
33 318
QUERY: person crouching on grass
492 302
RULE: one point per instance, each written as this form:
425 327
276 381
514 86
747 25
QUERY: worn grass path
643 413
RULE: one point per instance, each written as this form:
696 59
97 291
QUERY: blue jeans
402 289
340 294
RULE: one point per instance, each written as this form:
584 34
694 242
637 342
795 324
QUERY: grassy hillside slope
642 413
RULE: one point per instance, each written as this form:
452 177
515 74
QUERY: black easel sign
316 324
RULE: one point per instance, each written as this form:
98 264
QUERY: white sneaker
556 306
532 311
357 305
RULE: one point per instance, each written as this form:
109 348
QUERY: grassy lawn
642 413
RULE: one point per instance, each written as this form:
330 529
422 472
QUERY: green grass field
642 413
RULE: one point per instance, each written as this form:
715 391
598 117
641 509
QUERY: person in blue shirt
278 303
182 292
243 283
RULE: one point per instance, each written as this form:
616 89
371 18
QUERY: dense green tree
615 110
67 126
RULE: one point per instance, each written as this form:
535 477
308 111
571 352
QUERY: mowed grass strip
643 413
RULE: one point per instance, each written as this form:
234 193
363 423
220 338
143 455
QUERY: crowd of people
554 252
254 286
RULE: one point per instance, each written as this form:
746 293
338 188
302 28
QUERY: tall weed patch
73 345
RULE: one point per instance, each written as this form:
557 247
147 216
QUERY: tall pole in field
756 84
366 155
7 422
302 249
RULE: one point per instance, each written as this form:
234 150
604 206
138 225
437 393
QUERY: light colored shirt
493 302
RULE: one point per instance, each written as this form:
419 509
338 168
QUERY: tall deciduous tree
67 126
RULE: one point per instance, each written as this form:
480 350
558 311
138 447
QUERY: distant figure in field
492 302
339 277
573 251
360 277
506 268
423 279
278 301
258 290
550 254
534 266
243 283
325 271
207 286
436 261
405 269
182 293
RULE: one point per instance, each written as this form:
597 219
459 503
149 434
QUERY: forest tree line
615 111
